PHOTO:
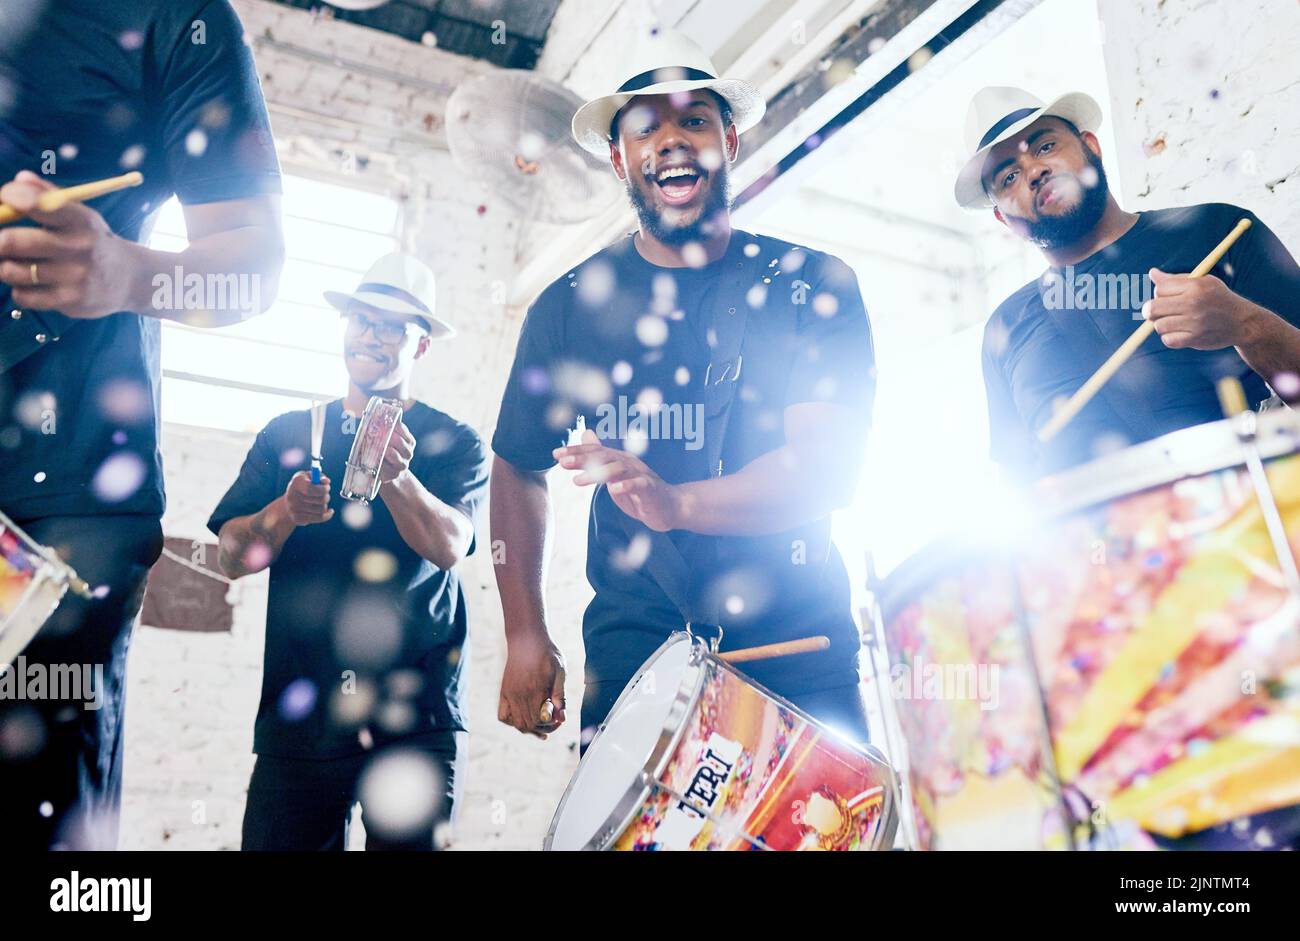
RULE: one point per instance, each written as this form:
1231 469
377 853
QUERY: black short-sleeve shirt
360 630
1032 361
93 89
618 339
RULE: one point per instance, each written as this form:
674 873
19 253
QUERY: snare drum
361 473
32 583
696 756
1144 644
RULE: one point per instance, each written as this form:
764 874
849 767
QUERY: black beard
716 203
1068 228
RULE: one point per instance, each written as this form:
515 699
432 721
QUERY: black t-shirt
360 630
1032 362
100 88
618 332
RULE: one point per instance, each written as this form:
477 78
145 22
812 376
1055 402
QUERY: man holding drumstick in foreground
99 89
1039 168
643 344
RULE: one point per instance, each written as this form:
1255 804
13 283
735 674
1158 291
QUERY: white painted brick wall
1205 97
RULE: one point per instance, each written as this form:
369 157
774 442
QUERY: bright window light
240 377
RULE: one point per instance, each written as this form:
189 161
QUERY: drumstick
56 199
1117 359
783 649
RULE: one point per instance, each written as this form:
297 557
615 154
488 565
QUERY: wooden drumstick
1117 359
783 649
53 200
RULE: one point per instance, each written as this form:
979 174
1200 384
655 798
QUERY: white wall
1205 98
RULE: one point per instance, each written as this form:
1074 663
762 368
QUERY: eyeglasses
385 331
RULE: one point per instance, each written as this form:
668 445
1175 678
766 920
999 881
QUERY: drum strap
685 583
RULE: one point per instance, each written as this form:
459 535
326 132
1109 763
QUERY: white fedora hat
401 284
662 63
999 112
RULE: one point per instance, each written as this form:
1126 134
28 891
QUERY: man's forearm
237 271
520 522
1270 347
776 492
248 544
436 531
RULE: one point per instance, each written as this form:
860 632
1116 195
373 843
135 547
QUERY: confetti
119 477
400 792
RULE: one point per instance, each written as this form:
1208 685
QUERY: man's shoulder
1012 310
441 432
810 264
1201 215
1015 305
601 264
286 424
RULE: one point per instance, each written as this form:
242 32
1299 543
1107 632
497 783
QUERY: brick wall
1205 97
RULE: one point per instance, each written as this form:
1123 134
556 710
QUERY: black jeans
841 708
306 803
61 762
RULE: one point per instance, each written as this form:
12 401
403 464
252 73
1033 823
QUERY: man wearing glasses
365 621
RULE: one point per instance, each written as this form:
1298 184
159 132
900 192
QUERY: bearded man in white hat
1039 168
725 382
366 620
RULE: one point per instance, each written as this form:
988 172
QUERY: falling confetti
196 142
535 381
22 734
826 304
682 376
375 565
694 255
367 630
298 700
621 373
132 157
357 515
39 477
652 330
125 401
292 457
596 283
401 792
33 408
119 477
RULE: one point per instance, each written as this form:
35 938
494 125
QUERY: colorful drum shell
734 767
31 587
1164 638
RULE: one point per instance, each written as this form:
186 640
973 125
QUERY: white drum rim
1188 452
684 702
688 694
